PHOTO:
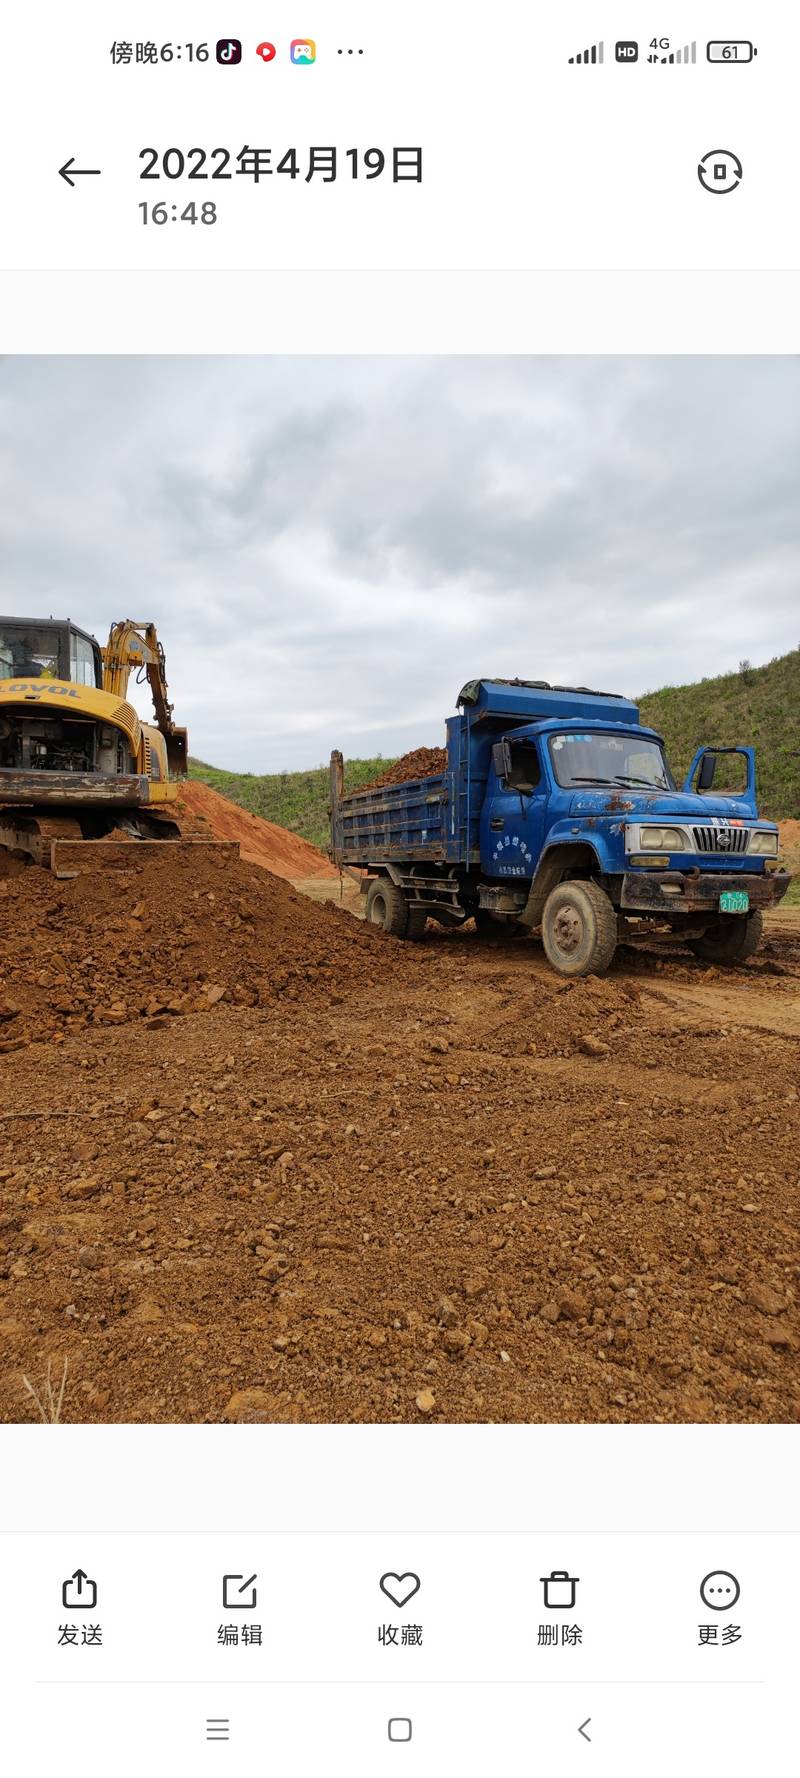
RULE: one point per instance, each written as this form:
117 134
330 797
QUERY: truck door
513 819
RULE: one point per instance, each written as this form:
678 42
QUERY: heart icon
400 1587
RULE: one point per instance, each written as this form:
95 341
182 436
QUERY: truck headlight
662 839
764 845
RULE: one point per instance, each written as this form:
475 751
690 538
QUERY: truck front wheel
387 907
730 941
579 929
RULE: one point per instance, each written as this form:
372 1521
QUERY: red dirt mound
173 931
422 763
203 810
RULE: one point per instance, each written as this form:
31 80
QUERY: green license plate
734 901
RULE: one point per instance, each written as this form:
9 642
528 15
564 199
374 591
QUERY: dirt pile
444 1187
203 811
424 762
162 936
790 844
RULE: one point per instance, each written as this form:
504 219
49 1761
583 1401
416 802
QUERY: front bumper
698 891
59 790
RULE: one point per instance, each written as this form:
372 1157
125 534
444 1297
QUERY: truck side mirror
501 759
707 772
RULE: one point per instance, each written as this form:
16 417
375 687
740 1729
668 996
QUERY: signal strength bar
595 54
687 54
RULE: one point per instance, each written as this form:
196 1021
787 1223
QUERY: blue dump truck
558 811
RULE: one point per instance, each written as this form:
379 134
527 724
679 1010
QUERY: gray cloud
331 546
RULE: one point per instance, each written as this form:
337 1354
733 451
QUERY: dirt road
305 1172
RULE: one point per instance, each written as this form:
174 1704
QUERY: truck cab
598 804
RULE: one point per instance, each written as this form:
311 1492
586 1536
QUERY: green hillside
756 704
297 800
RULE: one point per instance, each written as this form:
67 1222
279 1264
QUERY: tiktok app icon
229 51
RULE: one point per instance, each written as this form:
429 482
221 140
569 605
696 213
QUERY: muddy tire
579 929
417 922
387 907
731 941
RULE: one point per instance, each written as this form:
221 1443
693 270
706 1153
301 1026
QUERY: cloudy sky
331 546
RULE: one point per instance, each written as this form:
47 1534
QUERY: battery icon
731 49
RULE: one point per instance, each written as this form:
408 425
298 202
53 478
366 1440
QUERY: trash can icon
559 1589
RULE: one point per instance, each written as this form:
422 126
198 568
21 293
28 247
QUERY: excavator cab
49 649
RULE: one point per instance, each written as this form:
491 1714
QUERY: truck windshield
28 653
586 758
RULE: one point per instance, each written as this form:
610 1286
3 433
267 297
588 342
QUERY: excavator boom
135 646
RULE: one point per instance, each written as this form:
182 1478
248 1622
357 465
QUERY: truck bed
402 821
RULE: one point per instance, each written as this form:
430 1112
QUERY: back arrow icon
70 172
583 1728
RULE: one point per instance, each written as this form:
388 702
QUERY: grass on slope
756 705
297 800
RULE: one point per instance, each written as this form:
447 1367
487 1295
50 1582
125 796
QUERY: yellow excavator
76 761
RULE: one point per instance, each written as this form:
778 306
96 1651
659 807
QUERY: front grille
728 840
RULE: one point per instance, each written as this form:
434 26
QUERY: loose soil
424 762
260 1162
202 811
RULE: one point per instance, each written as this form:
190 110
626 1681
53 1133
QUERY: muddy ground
306 1172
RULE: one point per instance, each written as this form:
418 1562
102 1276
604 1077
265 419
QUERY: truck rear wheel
730 941
579 929
387 907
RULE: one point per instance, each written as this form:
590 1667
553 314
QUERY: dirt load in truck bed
264 1163
424 762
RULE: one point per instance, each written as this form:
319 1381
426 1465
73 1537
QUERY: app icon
238 1593
559 1589
267 52
229 51
720 171
79 1593
720 1590
400 1587
303 50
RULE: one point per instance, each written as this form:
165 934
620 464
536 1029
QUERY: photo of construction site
399 895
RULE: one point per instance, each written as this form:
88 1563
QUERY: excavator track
37 834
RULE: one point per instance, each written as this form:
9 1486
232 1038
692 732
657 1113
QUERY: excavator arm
135 647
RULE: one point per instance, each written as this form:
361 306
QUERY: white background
528 162
640 1515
